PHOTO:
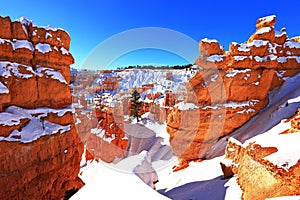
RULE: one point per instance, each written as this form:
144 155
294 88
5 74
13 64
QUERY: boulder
210 47
268 21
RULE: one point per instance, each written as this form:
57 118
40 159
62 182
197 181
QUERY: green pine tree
135 105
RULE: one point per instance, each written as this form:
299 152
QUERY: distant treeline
156 67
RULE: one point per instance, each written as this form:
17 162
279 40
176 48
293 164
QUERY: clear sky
90 22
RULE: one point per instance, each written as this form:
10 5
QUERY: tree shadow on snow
210 189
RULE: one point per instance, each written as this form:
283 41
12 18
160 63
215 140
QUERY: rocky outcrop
41 147
231 87
267 165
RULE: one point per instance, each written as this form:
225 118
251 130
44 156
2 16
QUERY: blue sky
91 22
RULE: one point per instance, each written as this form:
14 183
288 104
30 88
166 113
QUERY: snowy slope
103 182
161 79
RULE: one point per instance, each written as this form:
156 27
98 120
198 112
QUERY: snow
214 77
186 106
64 51
263 30
113 184
209 40
234 191
240 58
279 33
294 100
261 59
282 59
18 44
280 73
51 73
249 110
267 18
43 47
10 119
197 171
244 47
258 43
236 71
7 69
285 59
246 77
232 105
14 114
3 89
292 44
101 133
272 48
36 128
135 78
24 20
48 35
215 58
2 41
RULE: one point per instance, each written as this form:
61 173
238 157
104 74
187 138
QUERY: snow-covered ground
121 180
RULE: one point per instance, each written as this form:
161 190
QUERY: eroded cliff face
41 149
231 87
267 165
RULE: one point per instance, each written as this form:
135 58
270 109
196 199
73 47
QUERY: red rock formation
231 87
257 174
41 147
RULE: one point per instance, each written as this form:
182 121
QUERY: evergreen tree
135 105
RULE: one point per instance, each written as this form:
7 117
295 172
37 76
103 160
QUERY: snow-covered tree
135 105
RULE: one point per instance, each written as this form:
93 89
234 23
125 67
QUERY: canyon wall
41 149
231 87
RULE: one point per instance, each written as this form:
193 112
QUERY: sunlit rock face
231 87
41 149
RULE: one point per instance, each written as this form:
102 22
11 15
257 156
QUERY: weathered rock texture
231 87
259 175
41 149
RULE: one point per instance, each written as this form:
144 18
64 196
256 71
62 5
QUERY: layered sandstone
231 87
41 147
267 165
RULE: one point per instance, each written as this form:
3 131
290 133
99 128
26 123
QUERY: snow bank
186 106
113 184
233 105
209 40
3 89
43 48
7 69
258 43
263 30
52 74
215 58
36 128
235 72
18 44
